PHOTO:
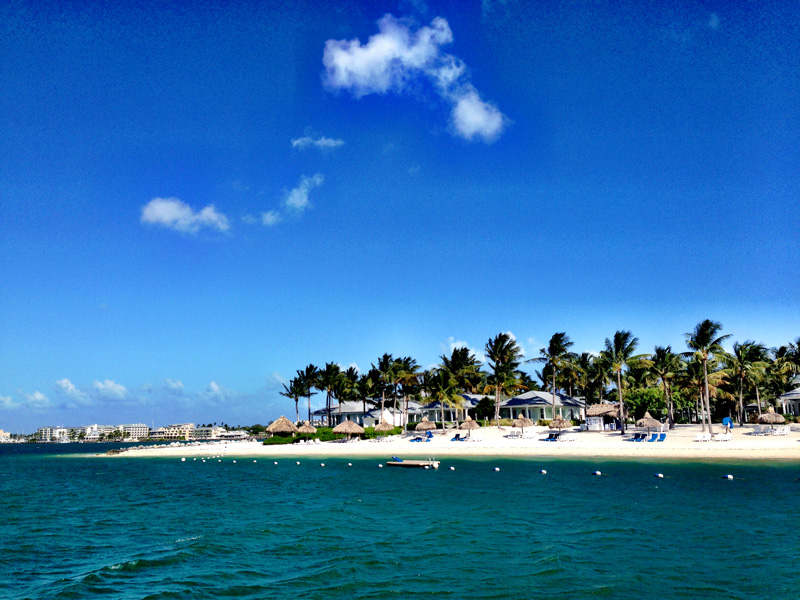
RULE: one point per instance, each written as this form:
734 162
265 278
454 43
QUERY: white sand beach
491 441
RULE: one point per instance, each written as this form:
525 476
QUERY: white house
537 405
790 402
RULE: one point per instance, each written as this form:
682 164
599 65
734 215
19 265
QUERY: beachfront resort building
5 437
179 431
537 405
354 411
790 402
52 434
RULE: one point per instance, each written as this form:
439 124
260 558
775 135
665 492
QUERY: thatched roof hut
349 427
603 409
648 421
522 422
307 428
425 425
469 424
560 423
771 418
282 425
384 426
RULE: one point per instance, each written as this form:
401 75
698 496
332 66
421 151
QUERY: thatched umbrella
469 425
282 425
560 423
307 428
771 418
384 426
603 409
349 427
649 422
425 425
522 422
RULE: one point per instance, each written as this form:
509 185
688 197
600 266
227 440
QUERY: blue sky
197 200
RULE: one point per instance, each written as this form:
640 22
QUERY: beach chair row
771 430
654 437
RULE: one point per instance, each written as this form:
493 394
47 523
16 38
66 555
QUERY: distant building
94 433
52 434
4 436
237 434
135 431
182 431
207 433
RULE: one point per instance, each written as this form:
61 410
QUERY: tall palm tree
442 389
619 354
504 357
294 391
556 354
385 370
666 365
328 379
743 363
309 378
464 368
407 376
706 341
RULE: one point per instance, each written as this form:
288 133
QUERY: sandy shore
490 442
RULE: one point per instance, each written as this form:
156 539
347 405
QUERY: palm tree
442 389
705 341
666 365
555 355
743 364
309 378
385 370
464 368
504 357
327 381
407 376
294 391
619 353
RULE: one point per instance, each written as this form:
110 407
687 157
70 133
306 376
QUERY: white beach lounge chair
723 437
703 437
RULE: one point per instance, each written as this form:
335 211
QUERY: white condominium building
135 431
183 431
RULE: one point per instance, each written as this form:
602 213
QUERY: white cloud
110 390
7 403
474 117
396 58
174 386
713 21
215 392
172 213
37 400
67 389
270 218
322 143
453 343
297 198
249 220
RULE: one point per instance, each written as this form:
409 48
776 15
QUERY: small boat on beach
428 463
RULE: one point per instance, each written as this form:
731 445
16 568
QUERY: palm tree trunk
497 403
671 410
621 404
741 402
554 391
758 399
708 398
309 409
297 408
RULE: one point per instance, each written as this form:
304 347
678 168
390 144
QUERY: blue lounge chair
456 438
637 437
551 438
416 439
661 437
394 458
429 435
653 437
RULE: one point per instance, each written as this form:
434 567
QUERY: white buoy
497 468
234 461
321 464
194 459
728 477
297 463
275 463
204 460
255 461
349 464
660 475
543 472
183 460
220 460
380 466
452 468
427 467
597 473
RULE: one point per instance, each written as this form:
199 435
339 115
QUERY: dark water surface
78 527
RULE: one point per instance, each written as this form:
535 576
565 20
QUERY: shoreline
494 443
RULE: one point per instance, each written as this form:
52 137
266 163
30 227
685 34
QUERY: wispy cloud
110 390
37 400
7 403
66 388
397 57
713 21
172 213
174 386
322 143
453 343
295 201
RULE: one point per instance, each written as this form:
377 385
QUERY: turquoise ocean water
77 527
